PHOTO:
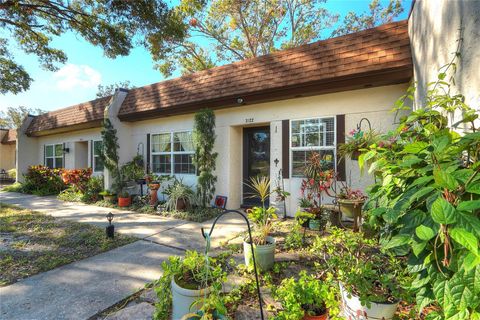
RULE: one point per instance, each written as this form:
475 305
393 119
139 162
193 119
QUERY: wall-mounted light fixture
66 150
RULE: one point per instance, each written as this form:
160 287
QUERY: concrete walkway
81 289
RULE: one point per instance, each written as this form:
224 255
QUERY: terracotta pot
320 317
181 204
124 202
355 155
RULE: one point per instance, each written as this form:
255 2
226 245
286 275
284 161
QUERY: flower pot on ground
352 307
307 298
180 196
107 195
264 254
184 298
124 200
186 285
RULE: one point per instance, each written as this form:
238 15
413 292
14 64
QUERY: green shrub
42 181
16 187
93 189
70 194
294 239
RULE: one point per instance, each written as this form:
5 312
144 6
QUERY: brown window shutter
44 155
148 154
341 167
286 149
63 151
91 154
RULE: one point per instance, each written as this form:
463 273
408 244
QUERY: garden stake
251 246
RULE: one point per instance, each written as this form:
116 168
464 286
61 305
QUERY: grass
32 242
15 187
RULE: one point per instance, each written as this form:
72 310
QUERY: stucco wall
373 103
78 153
7 156
434 31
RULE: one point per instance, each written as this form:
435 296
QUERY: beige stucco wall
434 33
79 154
7 155
373 103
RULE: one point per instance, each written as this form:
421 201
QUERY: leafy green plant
205 159
70 194
191 272
110 157
93 188
133 170
305 296
12 173
426 203
178 191
43 181
294 239
106 192
360 266
302 217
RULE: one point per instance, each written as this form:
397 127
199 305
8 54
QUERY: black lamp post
110 228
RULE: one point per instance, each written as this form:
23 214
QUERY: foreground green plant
305 296
360 266
426 203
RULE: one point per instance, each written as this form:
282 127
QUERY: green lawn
31 242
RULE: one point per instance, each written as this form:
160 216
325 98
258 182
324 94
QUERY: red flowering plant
347 193
318 181
78 178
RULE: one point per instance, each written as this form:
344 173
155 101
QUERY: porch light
110 229
66 150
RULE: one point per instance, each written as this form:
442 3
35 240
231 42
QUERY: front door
256 160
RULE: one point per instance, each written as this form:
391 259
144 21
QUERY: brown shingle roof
10 137
375 50
82 113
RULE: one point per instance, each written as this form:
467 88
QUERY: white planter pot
182 300
352 309
264 254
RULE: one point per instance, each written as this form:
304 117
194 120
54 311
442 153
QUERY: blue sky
87 67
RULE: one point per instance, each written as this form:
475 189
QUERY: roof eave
374 78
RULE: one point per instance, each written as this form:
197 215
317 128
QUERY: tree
236 30
12 118
205 159
378 15
115 26
110 157
108 90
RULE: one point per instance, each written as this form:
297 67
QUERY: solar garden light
110 228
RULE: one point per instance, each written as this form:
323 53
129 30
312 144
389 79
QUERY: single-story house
8 139
271 111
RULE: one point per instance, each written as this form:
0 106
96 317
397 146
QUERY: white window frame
171 153
53 157
317 148
94 160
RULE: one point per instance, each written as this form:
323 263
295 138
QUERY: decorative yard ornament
110 228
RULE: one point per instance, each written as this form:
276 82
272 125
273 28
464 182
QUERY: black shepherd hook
359 125
251 246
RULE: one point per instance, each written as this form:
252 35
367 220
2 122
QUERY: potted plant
303 218
107 195
351 202
124 199
318 180
305 298
212 307
369 280
356 141
185 283
262 218
180 196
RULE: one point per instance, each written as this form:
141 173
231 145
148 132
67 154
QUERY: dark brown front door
256 159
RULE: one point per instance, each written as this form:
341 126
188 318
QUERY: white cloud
73 76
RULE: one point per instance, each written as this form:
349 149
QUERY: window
97 160
172 153
54 155
312 135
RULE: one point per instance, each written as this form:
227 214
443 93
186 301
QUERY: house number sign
249 120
